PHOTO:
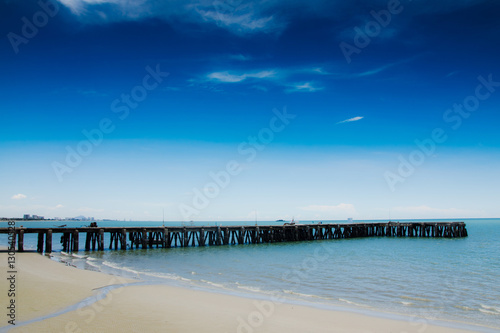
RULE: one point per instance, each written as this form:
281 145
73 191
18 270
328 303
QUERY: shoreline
320 304
56 297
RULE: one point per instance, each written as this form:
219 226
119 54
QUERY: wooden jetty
167 237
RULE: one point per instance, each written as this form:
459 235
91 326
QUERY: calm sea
444 279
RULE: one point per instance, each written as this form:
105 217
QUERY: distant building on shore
34 217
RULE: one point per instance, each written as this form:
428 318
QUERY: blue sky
223 110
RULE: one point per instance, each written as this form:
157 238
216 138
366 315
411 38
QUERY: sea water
435 278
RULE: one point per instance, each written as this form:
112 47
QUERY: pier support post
144 239
40 242
241 237
202 237
219 236
48 241
166 237
123 239
87 241
101 239
185 241
150 239
75 239
20 242
226 236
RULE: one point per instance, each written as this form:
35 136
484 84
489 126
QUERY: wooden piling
123 239
40 242
201 242
101 240
144 239
75 238
20 241
48 241
185 241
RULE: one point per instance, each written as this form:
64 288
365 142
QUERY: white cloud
350 120
242 16
384 67
80 7
319 70
304 87
279 77
226 77
342 208
233 78
245 17
19 196
246 21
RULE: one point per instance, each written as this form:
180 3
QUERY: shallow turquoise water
450 279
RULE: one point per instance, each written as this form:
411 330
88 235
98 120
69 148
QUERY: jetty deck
123 238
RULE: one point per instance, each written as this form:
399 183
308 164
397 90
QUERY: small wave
166 276
92 263
489 312
352 303
490 309
65 253
291 292
406 303
193 273
218 285
249 288
78 256
466 308
123 268
416 299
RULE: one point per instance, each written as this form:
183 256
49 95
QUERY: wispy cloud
384 67
19 196
350 120
232 78
240 19
278 77
304 87
81 7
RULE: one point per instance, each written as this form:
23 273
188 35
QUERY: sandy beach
45 287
